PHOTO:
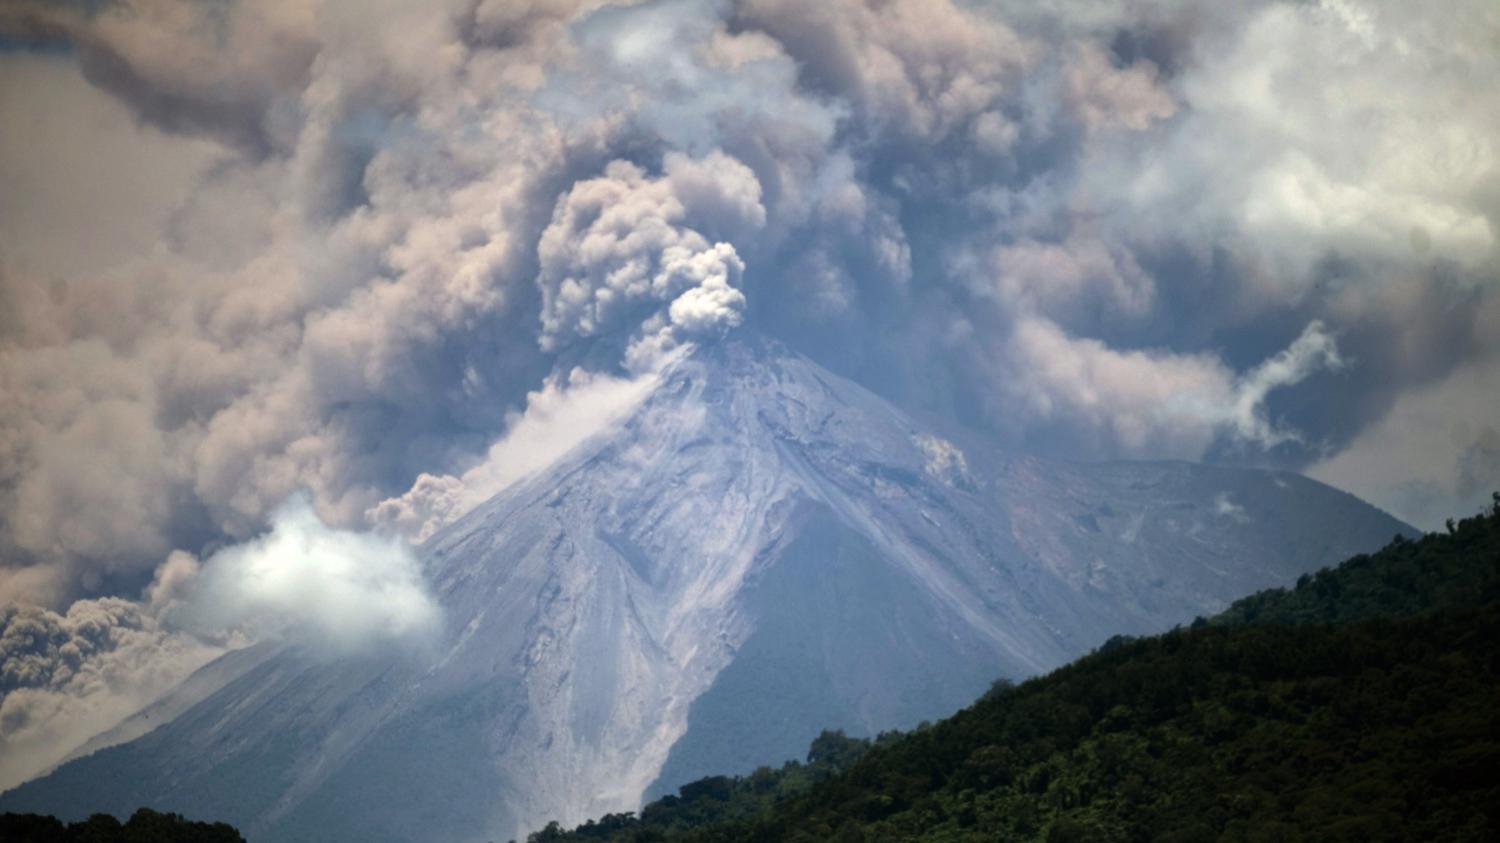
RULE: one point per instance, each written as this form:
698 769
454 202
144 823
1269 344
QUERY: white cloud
332 591
1312 351
1361 131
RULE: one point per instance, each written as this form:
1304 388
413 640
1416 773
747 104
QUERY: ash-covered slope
759 550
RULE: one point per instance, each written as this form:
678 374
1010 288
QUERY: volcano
758 550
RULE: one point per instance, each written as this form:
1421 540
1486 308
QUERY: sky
320 274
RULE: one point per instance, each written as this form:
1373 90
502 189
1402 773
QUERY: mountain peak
757 551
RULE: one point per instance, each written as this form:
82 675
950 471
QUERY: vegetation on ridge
144 826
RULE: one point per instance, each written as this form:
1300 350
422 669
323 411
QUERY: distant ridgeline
144 826
1364 704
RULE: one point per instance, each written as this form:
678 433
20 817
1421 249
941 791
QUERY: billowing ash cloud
268 247
618 251
66 677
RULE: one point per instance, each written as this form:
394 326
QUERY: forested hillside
1359 705
144 826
